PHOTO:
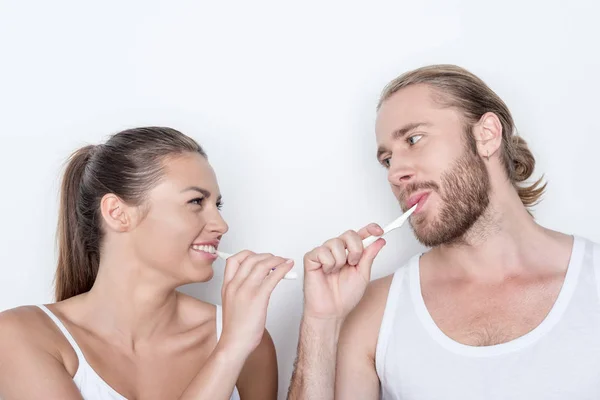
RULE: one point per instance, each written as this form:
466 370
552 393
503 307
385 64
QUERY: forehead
409 105
189 169
412 105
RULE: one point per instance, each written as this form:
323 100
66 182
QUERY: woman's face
182 223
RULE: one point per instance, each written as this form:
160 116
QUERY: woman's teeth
206 249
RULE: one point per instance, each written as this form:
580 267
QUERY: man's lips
419 198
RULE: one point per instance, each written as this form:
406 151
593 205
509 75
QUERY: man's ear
488 135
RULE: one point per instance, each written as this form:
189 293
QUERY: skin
492 283
145 339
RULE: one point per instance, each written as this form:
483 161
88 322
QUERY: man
499 307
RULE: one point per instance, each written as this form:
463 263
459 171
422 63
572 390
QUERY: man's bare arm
314 372
336 276
356 376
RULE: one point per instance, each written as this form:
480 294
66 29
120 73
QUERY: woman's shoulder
28 322
32 349
29 328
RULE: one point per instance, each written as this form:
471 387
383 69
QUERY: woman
139 216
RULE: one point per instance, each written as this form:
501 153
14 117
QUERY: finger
319 257
326 258
337 247
246 267
366 262
262 269
276 276
353 243
233 263
370 230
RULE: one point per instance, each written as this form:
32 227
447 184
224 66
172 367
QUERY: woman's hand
249 281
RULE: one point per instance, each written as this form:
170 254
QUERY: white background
282 97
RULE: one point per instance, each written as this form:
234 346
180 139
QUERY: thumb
368 256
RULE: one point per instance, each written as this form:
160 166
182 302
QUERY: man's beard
465 198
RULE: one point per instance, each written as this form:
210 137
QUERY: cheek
439 169
435 162
186 228
173 231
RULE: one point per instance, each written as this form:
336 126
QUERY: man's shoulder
369 311
361 327
378 289
371 306
381 286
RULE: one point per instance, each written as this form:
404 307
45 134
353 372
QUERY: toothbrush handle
291 275
370 240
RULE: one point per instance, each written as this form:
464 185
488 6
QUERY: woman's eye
197 201
386 162
414 139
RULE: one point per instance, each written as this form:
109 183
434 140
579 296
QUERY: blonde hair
468 93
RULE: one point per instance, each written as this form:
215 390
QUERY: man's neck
503 242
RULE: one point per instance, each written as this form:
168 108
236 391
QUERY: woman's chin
204 275
195 272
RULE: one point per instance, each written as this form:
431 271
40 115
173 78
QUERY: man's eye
414 139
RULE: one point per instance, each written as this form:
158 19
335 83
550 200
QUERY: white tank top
558 360
90 384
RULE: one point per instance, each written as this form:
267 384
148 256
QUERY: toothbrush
366 242
289 275
391 226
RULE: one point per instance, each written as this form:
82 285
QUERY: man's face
431 161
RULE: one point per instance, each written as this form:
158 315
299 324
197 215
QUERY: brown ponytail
128 165
523 165
77 265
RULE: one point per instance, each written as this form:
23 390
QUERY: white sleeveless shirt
90 384
558 360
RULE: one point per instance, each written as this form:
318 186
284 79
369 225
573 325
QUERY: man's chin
422 230
426 233
424 238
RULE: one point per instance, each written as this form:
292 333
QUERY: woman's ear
116 214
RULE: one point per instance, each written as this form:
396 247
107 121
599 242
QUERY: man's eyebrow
400 133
